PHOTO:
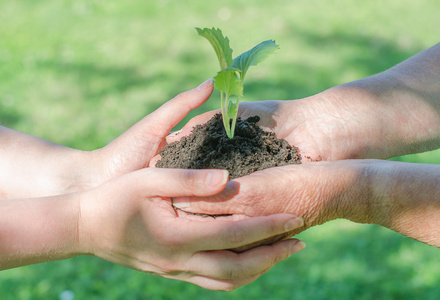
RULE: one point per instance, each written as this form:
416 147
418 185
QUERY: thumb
223 203
164 182
147 135
160 122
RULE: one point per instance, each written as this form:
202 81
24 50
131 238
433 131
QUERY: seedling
229 80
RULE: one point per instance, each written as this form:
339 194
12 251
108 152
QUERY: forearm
403 197
402 104
37 230
32 167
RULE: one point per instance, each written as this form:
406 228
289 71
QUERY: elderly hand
403 197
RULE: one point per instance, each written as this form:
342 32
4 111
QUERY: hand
400 196
392 113
134 149
318 192
32 167
130 221
323 127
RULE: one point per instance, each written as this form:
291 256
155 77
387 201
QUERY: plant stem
225 116
234 118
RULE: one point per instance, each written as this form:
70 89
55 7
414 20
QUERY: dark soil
208 147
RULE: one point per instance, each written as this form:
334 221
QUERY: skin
57 203
339 133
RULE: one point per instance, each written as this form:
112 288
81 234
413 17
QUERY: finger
225 234
144 138
180 182
154 160
171 137
238 197
252 195
228 270
225 285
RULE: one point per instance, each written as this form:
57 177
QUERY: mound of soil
208 147
251 149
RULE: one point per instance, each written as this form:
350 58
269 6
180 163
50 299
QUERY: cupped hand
134 149
130 221
344 122
317 192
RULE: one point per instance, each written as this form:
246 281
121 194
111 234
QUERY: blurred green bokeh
79 73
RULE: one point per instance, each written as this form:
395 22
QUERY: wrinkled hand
318 192
130 221
340 123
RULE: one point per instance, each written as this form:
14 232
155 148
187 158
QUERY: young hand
32 167
130 221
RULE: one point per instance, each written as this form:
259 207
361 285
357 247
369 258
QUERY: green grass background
80 73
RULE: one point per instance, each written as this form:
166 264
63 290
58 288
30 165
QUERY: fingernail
298 246
182 204
174 133
216 178
172 137
293 224
206 84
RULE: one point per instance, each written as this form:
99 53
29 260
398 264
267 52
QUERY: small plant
229 80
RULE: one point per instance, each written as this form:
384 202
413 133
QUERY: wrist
393 117
346 189
356 203
32 167
365 121
80 171
68 171
346 120
370 198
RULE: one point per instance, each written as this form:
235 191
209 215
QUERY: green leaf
254 56
220 44
228 82
230 79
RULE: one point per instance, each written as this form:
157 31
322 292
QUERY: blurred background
79 73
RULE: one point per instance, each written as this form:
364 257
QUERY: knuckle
273 228
280 256
236 271
189 178
181 96
169 269
236 236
